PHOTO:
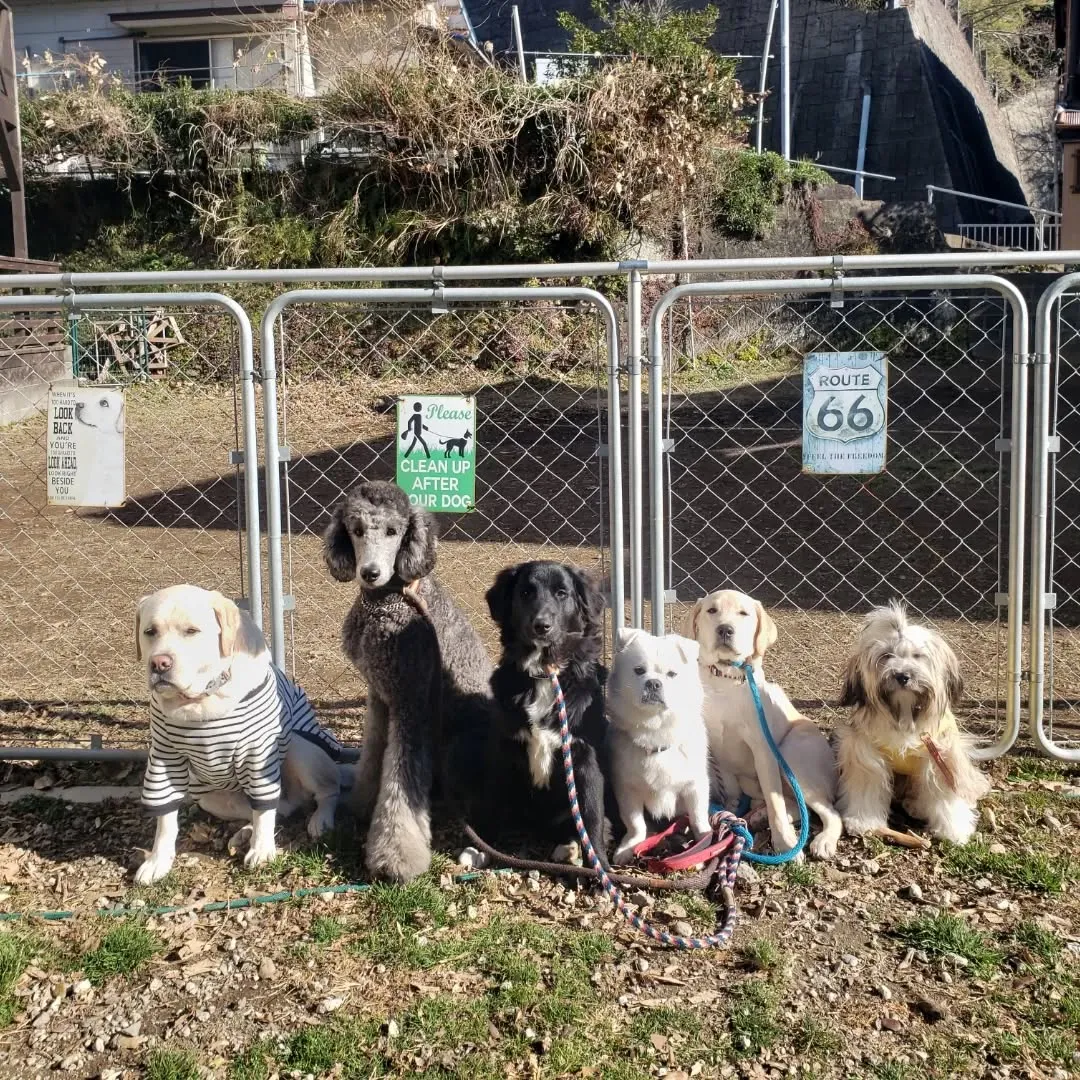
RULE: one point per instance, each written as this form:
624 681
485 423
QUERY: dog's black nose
541 626
725 630
161 663
902 678
369 573
652 686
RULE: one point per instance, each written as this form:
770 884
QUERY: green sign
436 452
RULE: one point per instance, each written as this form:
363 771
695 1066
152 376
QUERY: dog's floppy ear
954 680
416 555
498 596
689 626
590 600
228 619
765 636
337 547
688 649
138 630
624 635
853 692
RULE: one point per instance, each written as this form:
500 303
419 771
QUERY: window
169 61
219 63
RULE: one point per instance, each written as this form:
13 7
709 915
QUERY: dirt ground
887 964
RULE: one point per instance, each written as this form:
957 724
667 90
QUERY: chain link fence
538 372
820 551
70 577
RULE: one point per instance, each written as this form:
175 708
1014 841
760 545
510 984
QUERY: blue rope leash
804 817
726 870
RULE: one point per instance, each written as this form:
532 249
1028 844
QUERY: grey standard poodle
415 719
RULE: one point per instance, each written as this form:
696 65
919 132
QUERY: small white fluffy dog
903 681
730 626
659 749
227 727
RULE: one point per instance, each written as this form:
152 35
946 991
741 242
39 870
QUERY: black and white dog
548 614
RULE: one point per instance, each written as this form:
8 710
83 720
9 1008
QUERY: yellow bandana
908 761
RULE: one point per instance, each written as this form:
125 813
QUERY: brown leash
938 759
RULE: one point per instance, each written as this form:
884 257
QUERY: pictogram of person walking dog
416 428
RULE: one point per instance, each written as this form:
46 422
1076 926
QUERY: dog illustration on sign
456 444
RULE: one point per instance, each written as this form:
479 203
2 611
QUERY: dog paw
399 867
239 840
823 847
568 853
856 826
320 822
152 870
260 855
473 859
623 856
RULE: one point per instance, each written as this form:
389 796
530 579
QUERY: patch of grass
1023 869
753 1018
1044 944
1034 768
159 894
252 1064
344 1043
761 954
699 910
403 923
172 1065
1006 1046
663 1021
123 950
944 933
1052 1044
16 951
892 1070
800 875
306 866
816 1039
325 930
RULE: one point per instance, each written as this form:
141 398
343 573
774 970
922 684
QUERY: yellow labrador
730 626
227 728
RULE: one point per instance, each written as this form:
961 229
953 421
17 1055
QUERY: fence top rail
433 275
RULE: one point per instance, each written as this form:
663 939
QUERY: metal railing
1040 236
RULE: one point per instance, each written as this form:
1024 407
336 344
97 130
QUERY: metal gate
542 364
941 527
69 577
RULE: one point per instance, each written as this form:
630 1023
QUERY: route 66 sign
844 412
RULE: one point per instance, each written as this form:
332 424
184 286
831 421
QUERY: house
288 45
1067 118
932 118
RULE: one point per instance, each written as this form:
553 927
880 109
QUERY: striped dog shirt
242 751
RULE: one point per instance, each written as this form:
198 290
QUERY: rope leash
804 817
726 868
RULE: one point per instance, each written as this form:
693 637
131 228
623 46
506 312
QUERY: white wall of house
227 49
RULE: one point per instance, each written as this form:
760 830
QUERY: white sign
845 399
85 446
436 452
